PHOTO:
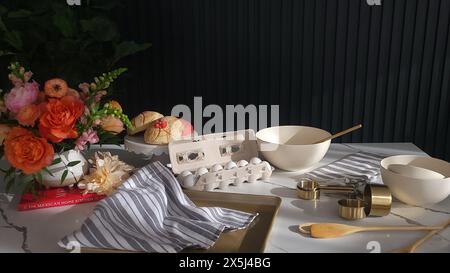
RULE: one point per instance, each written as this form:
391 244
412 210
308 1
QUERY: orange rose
27 152
4 130
41 97
56 88
112 124
59 118
28 115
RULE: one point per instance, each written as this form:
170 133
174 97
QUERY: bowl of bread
152 132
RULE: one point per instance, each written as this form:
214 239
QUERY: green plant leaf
21 13
9 172
49 172
38 177
3 10
9 184
65 23
64 175
100 29
3 26
14 39
56 161
5 53
73 163
128 48
28 184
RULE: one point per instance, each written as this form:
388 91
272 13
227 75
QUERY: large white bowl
413 191
290 147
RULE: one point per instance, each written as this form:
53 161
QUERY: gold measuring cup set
375 200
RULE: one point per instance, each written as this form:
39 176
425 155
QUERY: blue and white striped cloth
150 213
357 168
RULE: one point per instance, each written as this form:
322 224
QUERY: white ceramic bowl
290 147
414 191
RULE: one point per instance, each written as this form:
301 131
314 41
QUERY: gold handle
339 134
400 228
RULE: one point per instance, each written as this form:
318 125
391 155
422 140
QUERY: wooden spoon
339 134
411 248
331 230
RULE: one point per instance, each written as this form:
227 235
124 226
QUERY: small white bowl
415 172
417 191
290 147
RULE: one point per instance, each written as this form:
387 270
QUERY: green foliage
104 81
55 39
64 175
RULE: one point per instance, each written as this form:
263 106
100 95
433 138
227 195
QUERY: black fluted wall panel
327 63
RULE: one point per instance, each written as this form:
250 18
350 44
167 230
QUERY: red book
56 197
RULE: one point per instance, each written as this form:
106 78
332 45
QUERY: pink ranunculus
89 136
20 97
27 76
17 82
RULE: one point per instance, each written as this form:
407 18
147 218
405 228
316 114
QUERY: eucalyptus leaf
73 163
64 175
56 161
49 172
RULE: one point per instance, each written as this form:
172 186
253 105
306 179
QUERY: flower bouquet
42 131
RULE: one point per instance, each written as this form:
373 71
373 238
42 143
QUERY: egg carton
233 173
218 160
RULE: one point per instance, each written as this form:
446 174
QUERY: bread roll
164 130
142 121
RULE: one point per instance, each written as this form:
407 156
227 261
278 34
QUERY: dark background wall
327 63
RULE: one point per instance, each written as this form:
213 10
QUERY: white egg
216 168
242 163
188 181
182 175
255 161
230 165
201 171
185 173
267 165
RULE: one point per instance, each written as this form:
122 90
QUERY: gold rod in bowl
349 130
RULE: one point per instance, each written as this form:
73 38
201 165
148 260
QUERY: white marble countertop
39 230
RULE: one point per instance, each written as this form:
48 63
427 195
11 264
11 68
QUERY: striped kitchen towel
150 213
357 168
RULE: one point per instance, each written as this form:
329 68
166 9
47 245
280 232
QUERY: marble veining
21 229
